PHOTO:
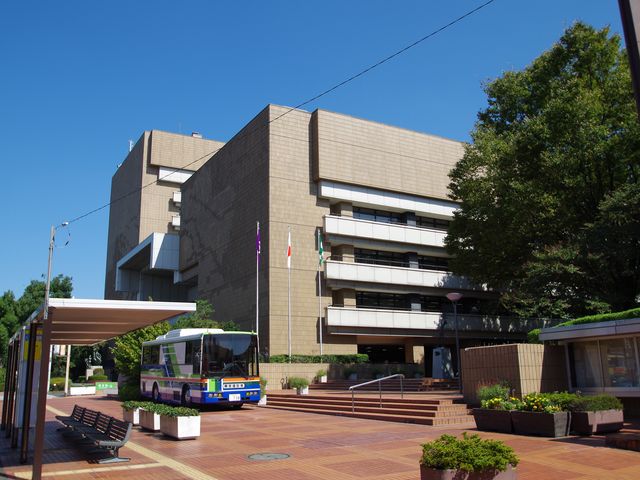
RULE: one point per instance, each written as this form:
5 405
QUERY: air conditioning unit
177 197
175 222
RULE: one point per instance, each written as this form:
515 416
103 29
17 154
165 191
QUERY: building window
377 257
390 301
428 222
377 215
433 263
619 362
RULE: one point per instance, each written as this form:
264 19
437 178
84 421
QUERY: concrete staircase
425 411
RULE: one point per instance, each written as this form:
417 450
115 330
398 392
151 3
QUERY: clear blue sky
79 79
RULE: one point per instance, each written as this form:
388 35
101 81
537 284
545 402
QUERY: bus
201 366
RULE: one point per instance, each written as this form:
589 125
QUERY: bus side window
194 348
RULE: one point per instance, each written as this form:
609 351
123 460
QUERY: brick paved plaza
320 447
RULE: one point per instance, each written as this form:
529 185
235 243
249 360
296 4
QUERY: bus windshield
229 355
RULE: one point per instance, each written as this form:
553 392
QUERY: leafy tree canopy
550 201
203 318
127 349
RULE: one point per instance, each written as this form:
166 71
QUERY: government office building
377 193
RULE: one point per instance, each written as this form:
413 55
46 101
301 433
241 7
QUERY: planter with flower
596 414
321 376
539 415
131 411
149 416
468 458
263 392
495 412
179 422
300 384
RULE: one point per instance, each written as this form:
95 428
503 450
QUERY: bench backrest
102 422
77 413
89 417
119 430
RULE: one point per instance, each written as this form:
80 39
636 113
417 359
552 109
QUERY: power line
306 102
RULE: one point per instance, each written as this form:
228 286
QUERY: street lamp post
454 297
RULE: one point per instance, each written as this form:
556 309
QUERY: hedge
533 335
342 359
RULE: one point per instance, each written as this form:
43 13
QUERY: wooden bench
99 431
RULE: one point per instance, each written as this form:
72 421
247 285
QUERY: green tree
33 296
549 186
128 348
203 318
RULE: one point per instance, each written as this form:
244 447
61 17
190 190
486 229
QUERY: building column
343 253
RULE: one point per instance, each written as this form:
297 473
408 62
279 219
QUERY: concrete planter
541 424
489 420
434 474
302 391
149 420
604 421
131 416
181 428
263 401
83 390
322 379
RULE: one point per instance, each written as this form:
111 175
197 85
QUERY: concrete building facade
378 195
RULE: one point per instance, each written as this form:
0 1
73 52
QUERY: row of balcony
389 232
395 275
353 317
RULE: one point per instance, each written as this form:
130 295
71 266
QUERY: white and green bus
201 366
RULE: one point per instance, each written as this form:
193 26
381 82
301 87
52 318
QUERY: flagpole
258 246
289 290
320 292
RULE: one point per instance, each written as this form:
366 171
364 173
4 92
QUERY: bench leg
115 458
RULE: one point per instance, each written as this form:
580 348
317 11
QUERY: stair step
369 409
347 398
383 416
387 403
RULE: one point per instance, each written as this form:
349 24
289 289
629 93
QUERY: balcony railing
390 232
411 319
395 275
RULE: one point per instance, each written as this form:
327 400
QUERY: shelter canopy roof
77 321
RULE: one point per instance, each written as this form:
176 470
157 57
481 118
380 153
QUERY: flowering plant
534 402
500 403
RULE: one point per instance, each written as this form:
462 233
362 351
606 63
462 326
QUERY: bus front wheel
185 399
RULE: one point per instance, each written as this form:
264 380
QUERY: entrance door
383 353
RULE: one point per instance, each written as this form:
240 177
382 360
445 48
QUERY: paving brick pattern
320 447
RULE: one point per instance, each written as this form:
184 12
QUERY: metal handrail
379 381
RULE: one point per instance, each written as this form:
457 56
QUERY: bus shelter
70 321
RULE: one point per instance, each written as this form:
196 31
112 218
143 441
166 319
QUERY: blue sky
79 79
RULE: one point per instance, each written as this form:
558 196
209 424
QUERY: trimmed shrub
98 371
595 403
534 336
129 392
298 382
263 386
3 374
133 404
340 359
98 378
561 399
604 317
471 454
56 384
497 390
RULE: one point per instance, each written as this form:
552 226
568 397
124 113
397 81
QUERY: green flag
320 249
